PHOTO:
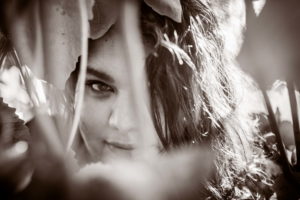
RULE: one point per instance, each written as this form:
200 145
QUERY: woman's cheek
93 125
95 115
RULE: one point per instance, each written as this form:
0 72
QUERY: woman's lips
115 149
120 145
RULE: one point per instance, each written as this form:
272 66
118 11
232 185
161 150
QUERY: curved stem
82 73
275 130
294 111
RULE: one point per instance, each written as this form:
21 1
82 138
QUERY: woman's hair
196 92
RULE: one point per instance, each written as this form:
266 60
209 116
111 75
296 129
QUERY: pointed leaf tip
169 8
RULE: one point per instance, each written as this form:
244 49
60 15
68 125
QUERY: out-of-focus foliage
272 45
180 174
171 9
285 184
14 140
47 35
105 14
14 94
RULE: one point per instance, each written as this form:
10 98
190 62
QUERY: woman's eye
100 88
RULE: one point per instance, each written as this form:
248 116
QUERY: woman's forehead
108 46
109 39
107 55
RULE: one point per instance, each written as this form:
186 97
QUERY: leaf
47 34
105 15
47 38
179 174
169 8
12 128
271 47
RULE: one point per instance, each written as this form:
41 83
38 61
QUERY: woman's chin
112 153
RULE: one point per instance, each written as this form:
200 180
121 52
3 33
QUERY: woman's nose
122 116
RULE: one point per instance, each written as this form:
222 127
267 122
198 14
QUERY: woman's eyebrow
100 74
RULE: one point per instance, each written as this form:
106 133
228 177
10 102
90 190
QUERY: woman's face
109 124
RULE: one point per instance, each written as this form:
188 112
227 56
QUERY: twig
275 130
4 49
294 110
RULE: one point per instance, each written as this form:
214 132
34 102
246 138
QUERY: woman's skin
109 125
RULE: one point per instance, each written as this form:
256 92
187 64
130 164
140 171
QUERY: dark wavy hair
196 94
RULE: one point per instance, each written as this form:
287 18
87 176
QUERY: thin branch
4 49
275 130
294 110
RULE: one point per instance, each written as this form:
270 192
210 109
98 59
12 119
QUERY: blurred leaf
175 175
47 34
171 9
271 48
14 136
105 15
47 37
15 169
12 128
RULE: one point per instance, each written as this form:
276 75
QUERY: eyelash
99 88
